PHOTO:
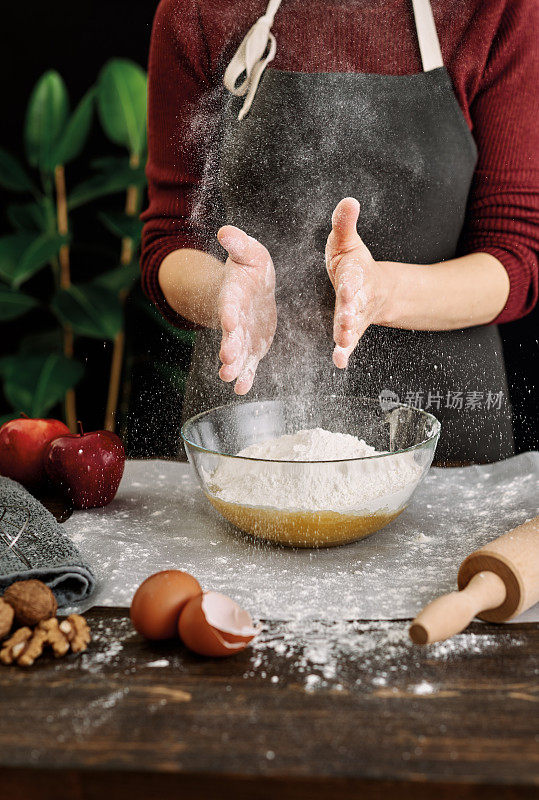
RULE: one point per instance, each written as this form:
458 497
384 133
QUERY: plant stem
132 202
65 283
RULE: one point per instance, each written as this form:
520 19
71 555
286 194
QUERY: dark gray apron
401 146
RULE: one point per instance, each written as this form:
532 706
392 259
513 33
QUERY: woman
359 101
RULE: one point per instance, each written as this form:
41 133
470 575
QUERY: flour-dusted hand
247 310
359 282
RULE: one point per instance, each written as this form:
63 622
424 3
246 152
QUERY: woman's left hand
360 283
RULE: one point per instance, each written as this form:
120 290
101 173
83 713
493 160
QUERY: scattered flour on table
320 655
375 656
346 485
424 688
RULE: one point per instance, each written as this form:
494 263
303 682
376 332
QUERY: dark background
76 38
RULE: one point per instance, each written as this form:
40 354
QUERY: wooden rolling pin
496 583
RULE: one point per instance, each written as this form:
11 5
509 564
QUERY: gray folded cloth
33 545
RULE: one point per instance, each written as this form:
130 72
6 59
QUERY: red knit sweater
490 48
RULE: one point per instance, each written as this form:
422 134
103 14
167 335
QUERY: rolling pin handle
453 612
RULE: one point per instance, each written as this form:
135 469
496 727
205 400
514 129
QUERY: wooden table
115 724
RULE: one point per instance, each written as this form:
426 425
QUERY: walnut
32 601
25 646
47 632
13 647
55 637
32 648
76 630
6 618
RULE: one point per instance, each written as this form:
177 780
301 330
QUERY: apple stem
24 415
81 432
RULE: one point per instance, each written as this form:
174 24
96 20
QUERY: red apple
88 467
23 444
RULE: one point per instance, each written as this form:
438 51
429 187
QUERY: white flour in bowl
346 486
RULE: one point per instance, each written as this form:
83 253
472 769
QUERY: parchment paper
160 519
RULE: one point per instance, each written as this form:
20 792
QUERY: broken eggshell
214 625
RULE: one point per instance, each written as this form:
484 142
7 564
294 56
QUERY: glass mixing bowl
359 495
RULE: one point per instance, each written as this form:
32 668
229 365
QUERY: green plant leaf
35 384
39 253
41 342
175 376
123 225
46 117
179 334
12 248
90 309
4 363
28 216
12 174
14 304
114 165
105 184
120 279
121 100
76 132
110 163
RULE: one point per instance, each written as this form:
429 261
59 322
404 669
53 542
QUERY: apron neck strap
259 46
427 36
251 58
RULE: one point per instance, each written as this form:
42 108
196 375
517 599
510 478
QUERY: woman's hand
360 282
247 310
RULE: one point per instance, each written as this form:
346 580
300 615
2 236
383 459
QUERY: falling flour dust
348 484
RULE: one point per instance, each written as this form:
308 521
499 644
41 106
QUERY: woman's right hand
247 310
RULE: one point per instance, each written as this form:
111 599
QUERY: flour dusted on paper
345 486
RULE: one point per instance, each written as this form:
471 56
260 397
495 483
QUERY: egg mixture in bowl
311 473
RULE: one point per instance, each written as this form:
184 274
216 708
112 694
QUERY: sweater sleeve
178 114
503 209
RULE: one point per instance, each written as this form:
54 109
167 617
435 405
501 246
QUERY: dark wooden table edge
65 782
95 784
476 624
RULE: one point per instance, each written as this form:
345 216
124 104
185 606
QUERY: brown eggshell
159 600
214 625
